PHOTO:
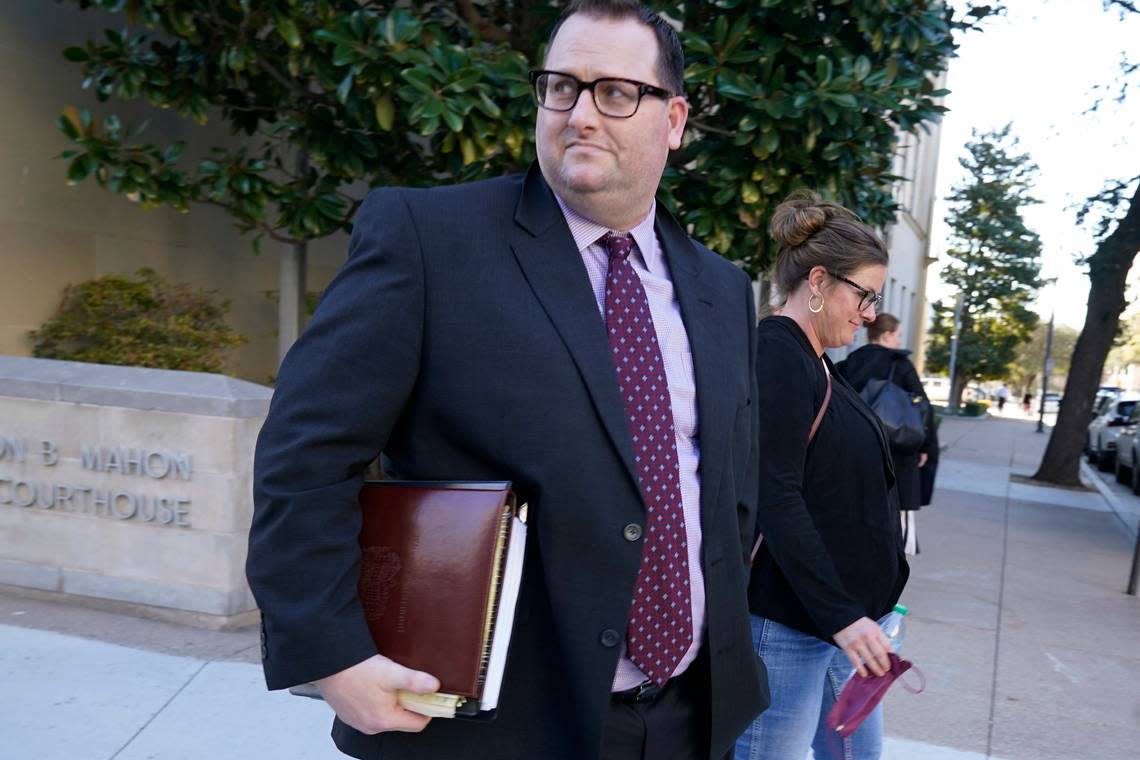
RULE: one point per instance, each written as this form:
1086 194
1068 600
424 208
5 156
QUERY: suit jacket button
610 638
632 532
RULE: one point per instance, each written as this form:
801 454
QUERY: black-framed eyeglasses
867 297
617 98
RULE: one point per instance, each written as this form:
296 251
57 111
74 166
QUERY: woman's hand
866 646
922 459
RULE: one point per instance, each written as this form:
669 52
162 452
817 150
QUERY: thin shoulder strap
814 427
894 365
823 407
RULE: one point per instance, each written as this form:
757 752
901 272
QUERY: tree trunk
292 281
1108 273
291 303
958 389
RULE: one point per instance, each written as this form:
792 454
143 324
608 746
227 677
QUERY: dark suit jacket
832 550
462 340
871 362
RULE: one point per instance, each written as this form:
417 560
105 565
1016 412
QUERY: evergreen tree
994 261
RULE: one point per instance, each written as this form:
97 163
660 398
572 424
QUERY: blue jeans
805 676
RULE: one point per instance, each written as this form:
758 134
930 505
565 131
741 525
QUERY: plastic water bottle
895 626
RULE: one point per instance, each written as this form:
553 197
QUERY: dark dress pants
673 726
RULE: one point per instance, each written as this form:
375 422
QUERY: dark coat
871 362
462 339
832 550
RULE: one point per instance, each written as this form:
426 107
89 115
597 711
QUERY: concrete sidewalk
1018 620
1018 616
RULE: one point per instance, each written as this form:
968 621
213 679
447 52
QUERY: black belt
645 692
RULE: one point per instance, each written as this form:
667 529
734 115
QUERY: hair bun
799 217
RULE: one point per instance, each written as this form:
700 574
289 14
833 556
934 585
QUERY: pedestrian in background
830 563
1002 396
880 359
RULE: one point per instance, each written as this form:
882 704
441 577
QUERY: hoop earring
814 310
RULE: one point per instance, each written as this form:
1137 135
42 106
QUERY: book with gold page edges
441 566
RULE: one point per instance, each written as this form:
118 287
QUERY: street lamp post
953 400
1046 372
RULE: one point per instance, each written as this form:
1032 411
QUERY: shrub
974 408
140 322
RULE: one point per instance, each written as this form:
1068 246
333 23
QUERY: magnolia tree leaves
327 97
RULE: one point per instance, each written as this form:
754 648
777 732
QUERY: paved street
1018 620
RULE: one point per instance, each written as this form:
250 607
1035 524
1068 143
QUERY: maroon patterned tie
661 621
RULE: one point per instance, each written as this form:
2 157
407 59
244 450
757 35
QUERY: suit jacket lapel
549 259
699 311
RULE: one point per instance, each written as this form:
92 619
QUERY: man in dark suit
487 332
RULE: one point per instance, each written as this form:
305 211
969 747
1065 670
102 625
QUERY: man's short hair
670 56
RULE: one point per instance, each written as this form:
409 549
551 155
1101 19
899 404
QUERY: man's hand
364 696
922 459
866 646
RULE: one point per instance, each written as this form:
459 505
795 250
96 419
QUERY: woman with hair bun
829 563
880 359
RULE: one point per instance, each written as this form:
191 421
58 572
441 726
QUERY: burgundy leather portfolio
440 569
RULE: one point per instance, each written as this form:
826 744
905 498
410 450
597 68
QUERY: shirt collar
586 233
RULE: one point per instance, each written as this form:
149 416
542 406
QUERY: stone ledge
219 604
27 575
240 621
161 390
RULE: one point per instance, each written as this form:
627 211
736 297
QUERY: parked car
1100 446
937 389
975 393
1104 396
1052 403
1128 452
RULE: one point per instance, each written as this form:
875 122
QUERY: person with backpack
868 369
828 563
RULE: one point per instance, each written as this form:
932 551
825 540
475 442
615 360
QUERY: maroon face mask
862 693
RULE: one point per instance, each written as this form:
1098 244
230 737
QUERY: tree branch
294 87
482 27
706 127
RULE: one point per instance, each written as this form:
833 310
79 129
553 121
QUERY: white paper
504 620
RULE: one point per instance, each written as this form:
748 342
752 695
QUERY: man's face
605 166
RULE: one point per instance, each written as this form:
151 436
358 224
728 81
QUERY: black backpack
902 413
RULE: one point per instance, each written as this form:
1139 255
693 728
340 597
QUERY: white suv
1112 415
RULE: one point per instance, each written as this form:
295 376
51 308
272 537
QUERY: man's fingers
364 695
408 721
398 677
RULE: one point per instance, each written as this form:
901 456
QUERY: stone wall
128 485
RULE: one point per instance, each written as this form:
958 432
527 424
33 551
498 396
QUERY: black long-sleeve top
832 550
